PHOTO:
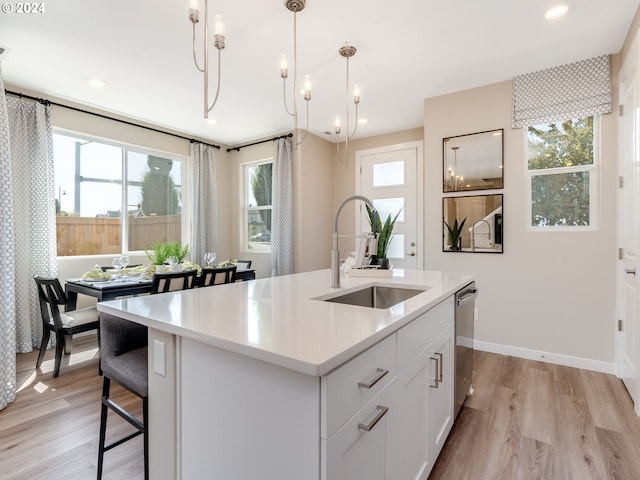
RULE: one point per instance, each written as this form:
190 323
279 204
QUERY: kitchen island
266 379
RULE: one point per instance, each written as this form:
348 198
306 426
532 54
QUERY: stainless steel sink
375 296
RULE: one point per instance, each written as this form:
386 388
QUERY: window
257 187
97 181
562 172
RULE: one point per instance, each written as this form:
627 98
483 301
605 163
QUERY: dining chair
173 281
123 358
216 275
63 324
243 264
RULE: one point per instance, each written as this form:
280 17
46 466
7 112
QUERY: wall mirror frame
482 231
473 162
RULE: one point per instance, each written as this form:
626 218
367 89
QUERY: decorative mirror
472 224
473 162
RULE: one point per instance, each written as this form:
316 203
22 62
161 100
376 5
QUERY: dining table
123 286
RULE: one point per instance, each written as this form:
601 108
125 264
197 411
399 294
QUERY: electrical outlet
475 314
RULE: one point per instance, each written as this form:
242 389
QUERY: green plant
455 231
384 231
160 252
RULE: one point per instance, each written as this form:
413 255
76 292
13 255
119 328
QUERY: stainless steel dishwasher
464 318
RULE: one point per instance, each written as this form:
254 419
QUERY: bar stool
123 356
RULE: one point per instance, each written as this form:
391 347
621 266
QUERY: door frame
419 147
629 72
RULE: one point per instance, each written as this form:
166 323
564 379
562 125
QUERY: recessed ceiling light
556 11
212 121
96 82
363 121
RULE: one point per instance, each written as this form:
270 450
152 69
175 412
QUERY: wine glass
124 261
116 265
209 257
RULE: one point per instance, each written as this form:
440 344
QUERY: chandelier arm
193 45
340 155
218 87
284 96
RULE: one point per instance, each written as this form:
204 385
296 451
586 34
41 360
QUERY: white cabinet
423 412
408 429
398 430
358 450
440 395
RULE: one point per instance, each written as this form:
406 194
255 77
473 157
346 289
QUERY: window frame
244 206
594 185
139 149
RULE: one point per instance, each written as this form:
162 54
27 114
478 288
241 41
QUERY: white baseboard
555 358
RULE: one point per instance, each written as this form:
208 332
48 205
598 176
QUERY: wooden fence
95 236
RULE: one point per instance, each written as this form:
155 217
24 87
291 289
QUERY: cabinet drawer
358 450
415 336
348 388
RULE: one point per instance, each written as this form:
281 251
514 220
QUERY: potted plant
384 232
161 252
455 232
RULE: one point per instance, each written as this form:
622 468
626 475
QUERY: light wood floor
526 420
530 420
51 430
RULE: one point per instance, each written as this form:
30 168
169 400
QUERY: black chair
123 349
216 275
63 324
172 281
243 264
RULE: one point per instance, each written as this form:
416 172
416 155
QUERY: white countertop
278 320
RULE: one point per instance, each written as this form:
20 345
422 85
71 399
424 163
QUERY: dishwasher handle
467 296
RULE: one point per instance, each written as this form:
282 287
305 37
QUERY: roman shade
574 90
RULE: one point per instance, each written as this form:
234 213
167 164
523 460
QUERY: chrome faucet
473 233
335 255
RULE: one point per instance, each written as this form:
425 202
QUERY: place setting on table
122 279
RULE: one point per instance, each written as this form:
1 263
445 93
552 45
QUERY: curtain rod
237 149
49 102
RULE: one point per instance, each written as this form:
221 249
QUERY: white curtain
28 227
575 90
7 265
282 208
204 201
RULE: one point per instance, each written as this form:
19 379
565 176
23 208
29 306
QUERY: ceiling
407 51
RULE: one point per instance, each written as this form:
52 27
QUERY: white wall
549 293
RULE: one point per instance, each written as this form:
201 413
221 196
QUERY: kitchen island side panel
242 418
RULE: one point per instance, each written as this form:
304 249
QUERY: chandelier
218 43
295 6
347 51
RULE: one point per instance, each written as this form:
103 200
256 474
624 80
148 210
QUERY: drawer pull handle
381 412
440 362
380 372
436 372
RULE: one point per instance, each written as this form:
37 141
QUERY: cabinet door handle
380 372
435 375
381 412
440 362
630 271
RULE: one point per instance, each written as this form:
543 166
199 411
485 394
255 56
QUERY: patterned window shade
575 90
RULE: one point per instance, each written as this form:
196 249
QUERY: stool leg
103 423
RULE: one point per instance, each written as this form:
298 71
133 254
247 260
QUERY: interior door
391 177
629 226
